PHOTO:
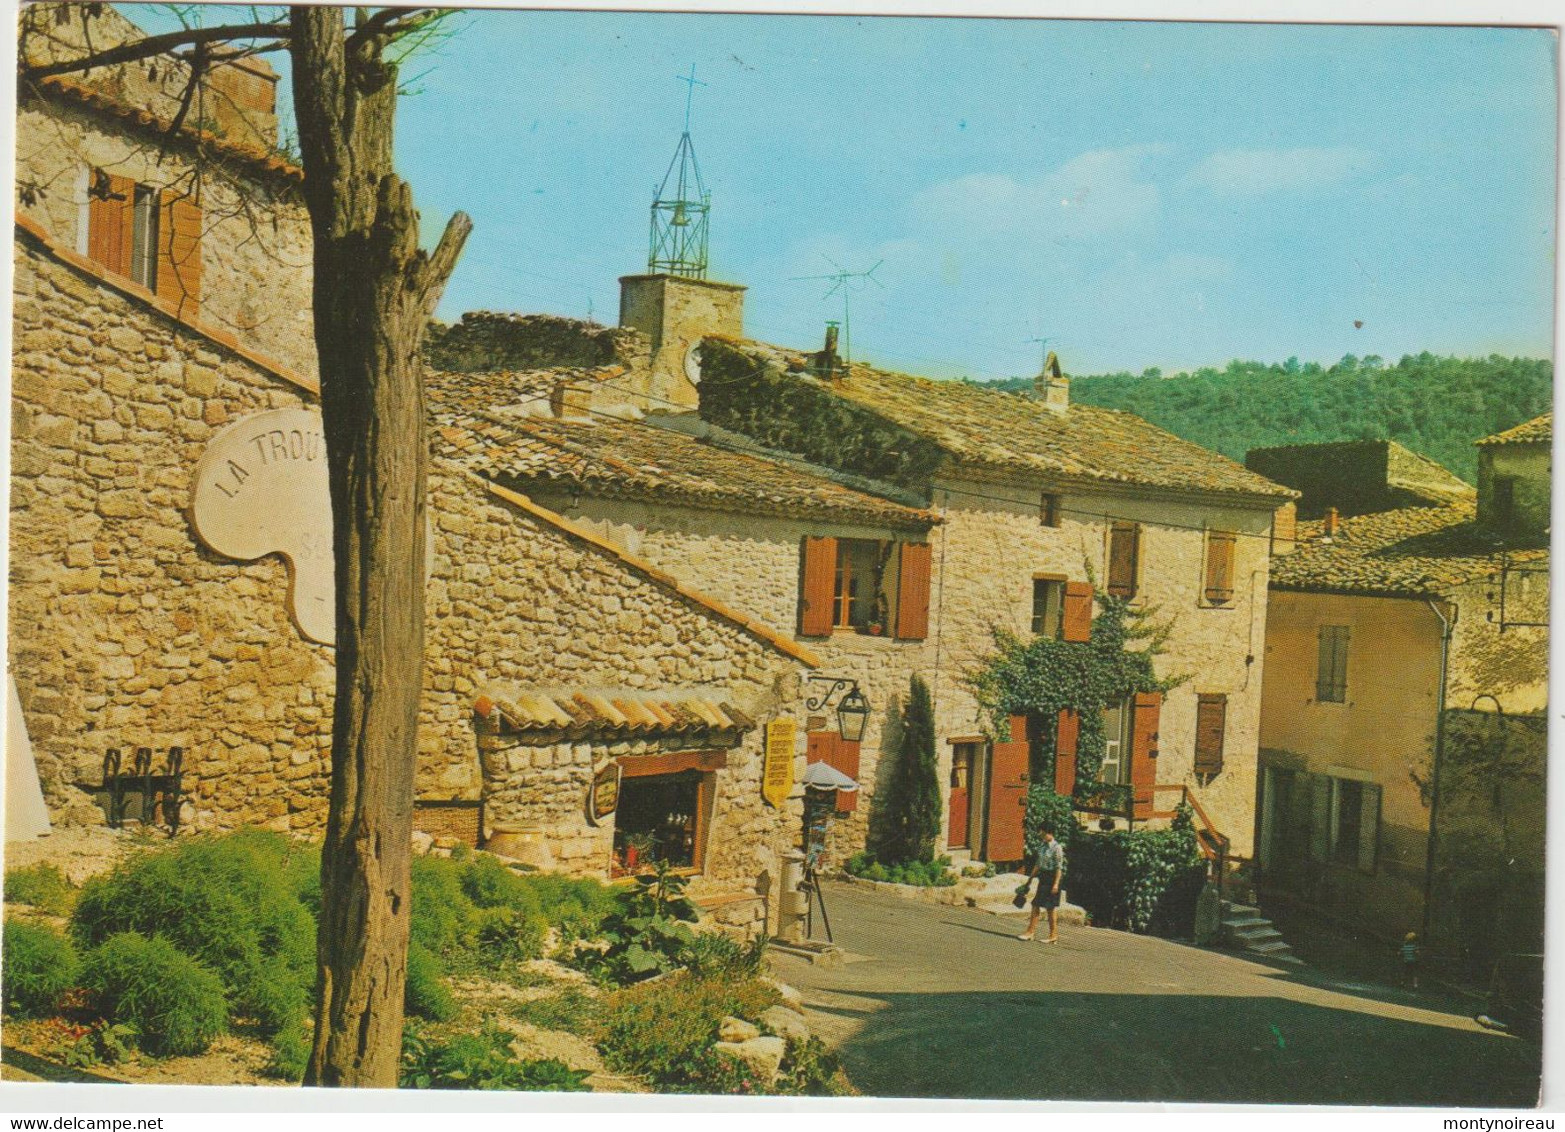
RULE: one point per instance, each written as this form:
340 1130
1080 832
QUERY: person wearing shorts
1049 867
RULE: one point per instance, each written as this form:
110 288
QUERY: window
865 585
1048 606
1049 509
1219 588
148 235
1124 554
660 818
1503 500
1350 808
1331 673
1115 769
1211 721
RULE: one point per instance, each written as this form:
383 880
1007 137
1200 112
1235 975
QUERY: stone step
1257 935
959 858
1244 921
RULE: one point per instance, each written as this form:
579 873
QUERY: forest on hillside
1437 406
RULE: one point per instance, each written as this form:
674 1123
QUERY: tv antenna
847 282
1043 351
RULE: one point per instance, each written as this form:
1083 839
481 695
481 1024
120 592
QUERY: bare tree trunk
374 293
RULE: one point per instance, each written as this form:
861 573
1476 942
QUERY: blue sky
1144 194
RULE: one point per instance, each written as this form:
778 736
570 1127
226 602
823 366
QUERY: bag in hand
1020 899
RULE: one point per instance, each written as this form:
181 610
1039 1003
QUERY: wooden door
960 798
1005 838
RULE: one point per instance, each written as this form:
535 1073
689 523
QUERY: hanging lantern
852 714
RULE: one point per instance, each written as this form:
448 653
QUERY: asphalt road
946 1002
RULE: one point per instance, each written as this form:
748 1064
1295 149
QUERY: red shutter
913 592
831 748
1211 717
1005 838
1065 740
110 205
1076 623
815 591
1143 751
179 254
1219 566
1124 550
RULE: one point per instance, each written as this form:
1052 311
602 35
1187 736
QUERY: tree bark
374 293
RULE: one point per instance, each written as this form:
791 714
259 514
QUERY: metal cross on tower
681 207
844 280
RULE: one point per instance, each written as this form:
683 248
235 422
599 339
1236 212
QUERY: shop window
661 817
1048 606
1331 671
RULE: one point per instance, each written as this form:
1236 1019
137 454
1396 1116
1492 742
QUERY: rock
422 843
763 1055
447 842
785 1023
737 1030
791 997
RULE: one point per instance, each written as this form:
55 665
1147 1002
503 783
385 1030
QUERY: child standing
1411 954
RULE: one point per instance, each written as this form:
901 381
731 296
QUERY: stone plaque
261 489
777 774
603 794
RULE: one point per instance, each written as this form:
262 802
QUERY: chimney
1051 387
826 363
1329 528
569 401
1285 528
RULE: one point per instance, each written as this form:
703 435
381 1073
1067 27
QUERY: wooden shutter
111 203
913 592
1211 718
1369 827
831 748
1066 737
1320 817
1076 623
179 254
1219 566
1124 550
1143 751
815 590
1004 836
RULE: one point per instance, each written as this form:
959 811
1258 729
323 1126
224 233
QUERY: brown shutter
110 205
1076 621
1066 737
831 748
1124 548
1211 717
179 254
1004 833
815 591
913 592
1219 566
1143 751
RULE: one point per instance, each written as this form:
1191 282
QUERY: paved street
946 1002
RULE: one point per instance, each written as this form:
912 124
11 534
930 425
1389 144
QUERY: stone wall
675 313
255 243
485 341
124 632
1528 465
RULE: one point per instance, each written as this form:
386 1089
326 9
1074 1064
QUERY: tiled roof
1412 552
1537 429
631 715
632 460
527 391
986 428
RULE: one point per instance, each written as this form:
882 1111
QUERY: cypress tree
914 817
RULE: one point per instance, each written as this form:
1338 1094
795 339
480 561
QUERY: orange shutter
1066 737
1076 623
913 592
110 204
1211 717
1143 751
1219 566
815 590
1004 837
179 254
1124 549
831 748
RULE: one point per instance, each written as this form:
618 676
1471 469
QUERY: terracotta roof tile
632 460
1411 552
1537 429
986 428
611 714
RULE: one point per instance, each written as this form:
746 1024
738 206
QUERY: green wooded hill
1435 406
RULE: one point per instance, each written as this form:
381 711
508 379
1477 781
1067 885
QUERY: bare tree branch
158 45
442 261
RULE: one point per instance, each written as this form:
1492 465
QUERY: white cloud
1092 194
1252 172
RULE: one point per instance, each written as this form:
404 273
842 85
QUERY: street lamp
852 710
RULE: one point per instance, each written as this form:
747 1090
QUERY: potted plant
638 848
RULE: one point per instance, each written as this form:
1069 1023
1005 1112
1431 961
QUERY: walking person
1049 867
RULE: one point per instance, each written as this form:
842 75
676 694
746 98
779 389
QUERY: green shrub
810 1069
290 1053
236 902
175 1003
645 934
571 1010
425 994
481 1060
712 954
43 886
932 873
37 966
1146 881
443 919
1045 807
908 822
661 1030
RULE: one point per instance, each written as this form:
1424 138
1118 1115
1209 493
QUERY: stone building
1402 726
1514 479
